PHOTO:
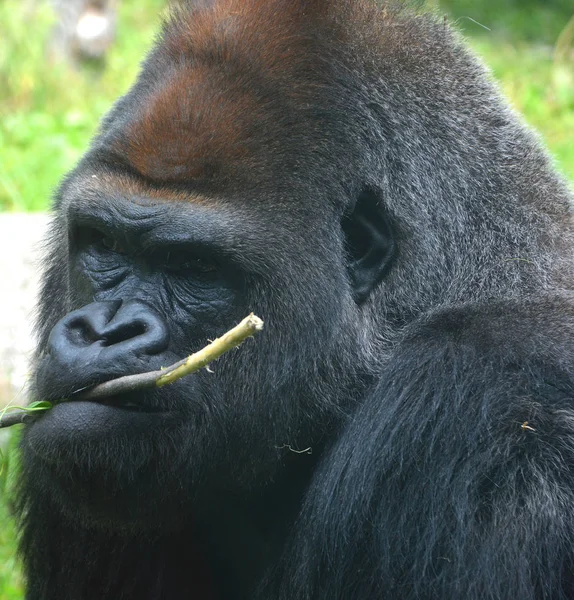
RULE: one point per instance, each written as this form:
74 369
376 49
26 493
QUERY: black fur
404 426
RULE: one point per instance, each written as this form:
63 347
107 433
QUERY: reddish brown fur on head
237 74
237 86
188 125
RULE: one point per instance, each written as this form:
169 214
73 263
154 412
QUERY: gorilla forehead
189 125
235 88
250 93
97 186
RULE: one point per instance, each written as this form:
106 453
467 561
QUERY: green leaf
39 405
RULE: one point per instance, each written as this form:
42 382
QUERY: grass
48 112
11 584
10 577
520 46
528 21
540 88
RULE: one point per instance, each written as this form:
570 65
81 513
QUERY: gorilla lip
126 405
78 419
117 393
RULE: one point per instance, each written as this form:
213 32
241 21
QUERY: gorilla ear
369 242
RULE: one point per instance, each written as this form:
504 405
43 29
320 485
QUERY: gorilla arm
472 417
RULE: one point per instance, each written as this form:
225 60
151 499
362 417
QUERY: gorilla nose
132 324
101 341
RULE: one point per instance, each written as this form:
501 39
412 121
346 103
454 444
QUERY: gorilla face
150 281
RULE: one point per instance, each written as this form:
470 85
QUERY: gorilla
404 426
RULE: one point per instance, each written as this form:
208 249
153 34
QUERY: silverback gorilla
404 426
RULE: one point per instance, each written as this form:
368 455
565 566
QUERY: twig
15 418
130 383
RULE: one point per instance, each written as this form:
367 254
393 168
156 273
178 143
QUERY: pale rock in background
20 252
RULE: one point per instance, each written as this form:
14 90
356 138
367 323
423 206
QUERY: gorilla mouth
127 404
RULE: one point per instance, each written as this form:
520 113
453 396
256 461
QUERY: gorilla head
343 170
231 178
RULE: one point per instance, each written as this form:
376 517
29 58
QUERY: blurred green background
49 110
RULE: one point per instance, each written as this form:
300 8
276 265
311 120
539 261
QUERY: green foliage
11 587
527 21
38 406
11 584
48 110
540 88
529 45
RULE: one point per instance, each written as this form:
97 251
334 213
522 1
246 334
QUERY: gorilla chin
82 455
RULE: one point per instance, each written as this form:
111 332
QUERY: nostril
98 342
138 328
127 331
80 331
86 325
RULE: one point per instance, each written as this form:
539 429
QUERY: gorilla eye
186 265
88 236
111 244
